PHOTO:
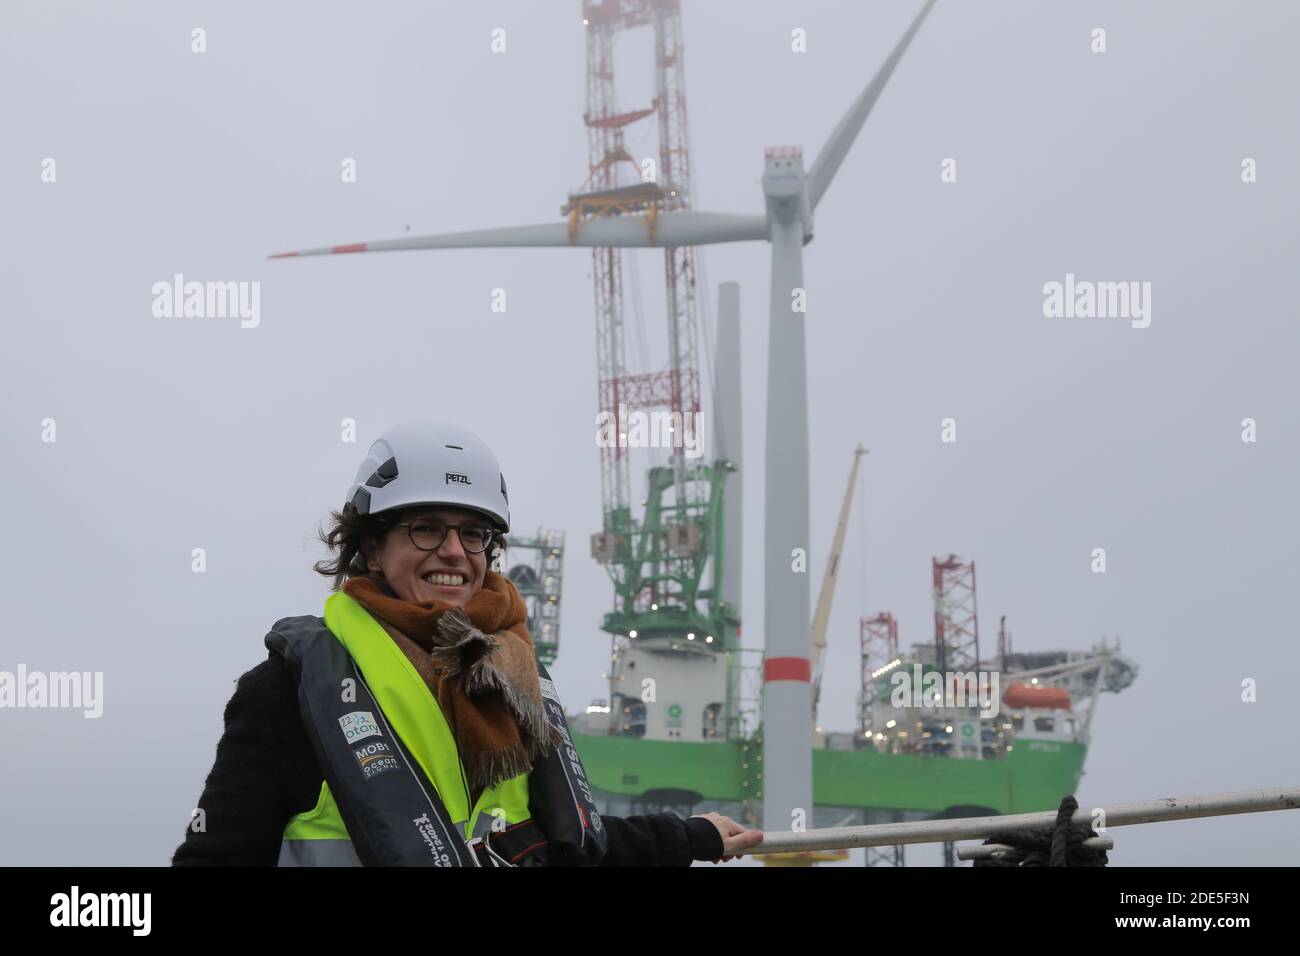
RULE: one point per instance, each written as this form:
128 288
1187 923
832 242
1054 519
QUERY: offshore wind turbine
791 195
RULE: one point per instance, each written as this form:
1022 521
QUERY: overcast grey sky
925 302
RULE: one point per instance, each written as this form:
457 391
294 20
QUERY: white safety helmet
431 463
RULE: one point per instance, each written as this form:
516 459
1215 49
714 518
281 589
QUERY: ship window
711 720
634 718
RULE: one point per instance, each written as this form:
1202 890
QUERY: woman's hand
734 836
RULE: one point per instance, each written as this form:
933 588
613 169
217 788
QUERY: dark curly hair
352 537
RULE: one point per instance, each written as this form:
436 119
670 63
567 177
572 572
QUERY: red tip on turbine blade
354 247
282 255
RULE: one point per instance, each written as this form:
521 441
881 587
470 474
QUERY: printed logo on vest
359 725
374 758
429 833
548 690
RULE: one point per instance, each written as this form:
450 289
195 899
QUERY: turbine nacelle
785 188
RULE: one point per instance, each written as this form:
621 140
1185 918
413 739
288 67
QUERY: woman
420 672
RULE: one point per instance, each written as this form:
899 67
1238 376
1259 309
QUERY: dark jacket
266 772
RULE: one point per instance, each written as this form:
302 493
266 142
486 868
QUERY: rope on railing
1061 844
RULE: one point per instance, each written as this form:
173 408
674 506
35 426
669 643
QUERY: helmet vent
383 474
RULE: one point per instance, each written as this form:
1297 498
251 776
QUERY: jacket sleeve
259 779
660 839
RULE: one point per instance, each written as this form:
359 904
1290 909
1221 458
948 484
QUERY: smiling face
449 573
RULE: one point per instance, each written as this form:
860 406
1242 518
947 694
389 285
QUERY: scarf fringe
483 674
529 715
489 767
468 643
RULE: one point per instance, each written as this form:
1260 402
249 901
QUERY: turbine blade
691 228
846 131
550 234
686 228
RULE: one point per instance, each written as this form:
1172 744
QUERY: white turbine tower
791 196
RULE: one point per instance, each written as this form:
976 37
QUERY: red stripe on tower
787 668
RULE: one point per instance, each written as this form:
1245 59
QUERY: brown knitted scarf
480 666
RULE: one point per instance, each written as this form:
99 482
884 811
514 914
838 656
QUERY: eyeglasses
428 534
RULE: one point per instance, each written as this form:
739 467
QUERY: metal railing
979 828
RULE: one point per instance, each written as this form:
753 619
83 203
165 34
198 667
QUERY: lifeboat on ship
1036 695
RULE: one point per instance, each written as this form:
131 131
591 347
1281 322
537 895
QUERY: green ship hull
1033 776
